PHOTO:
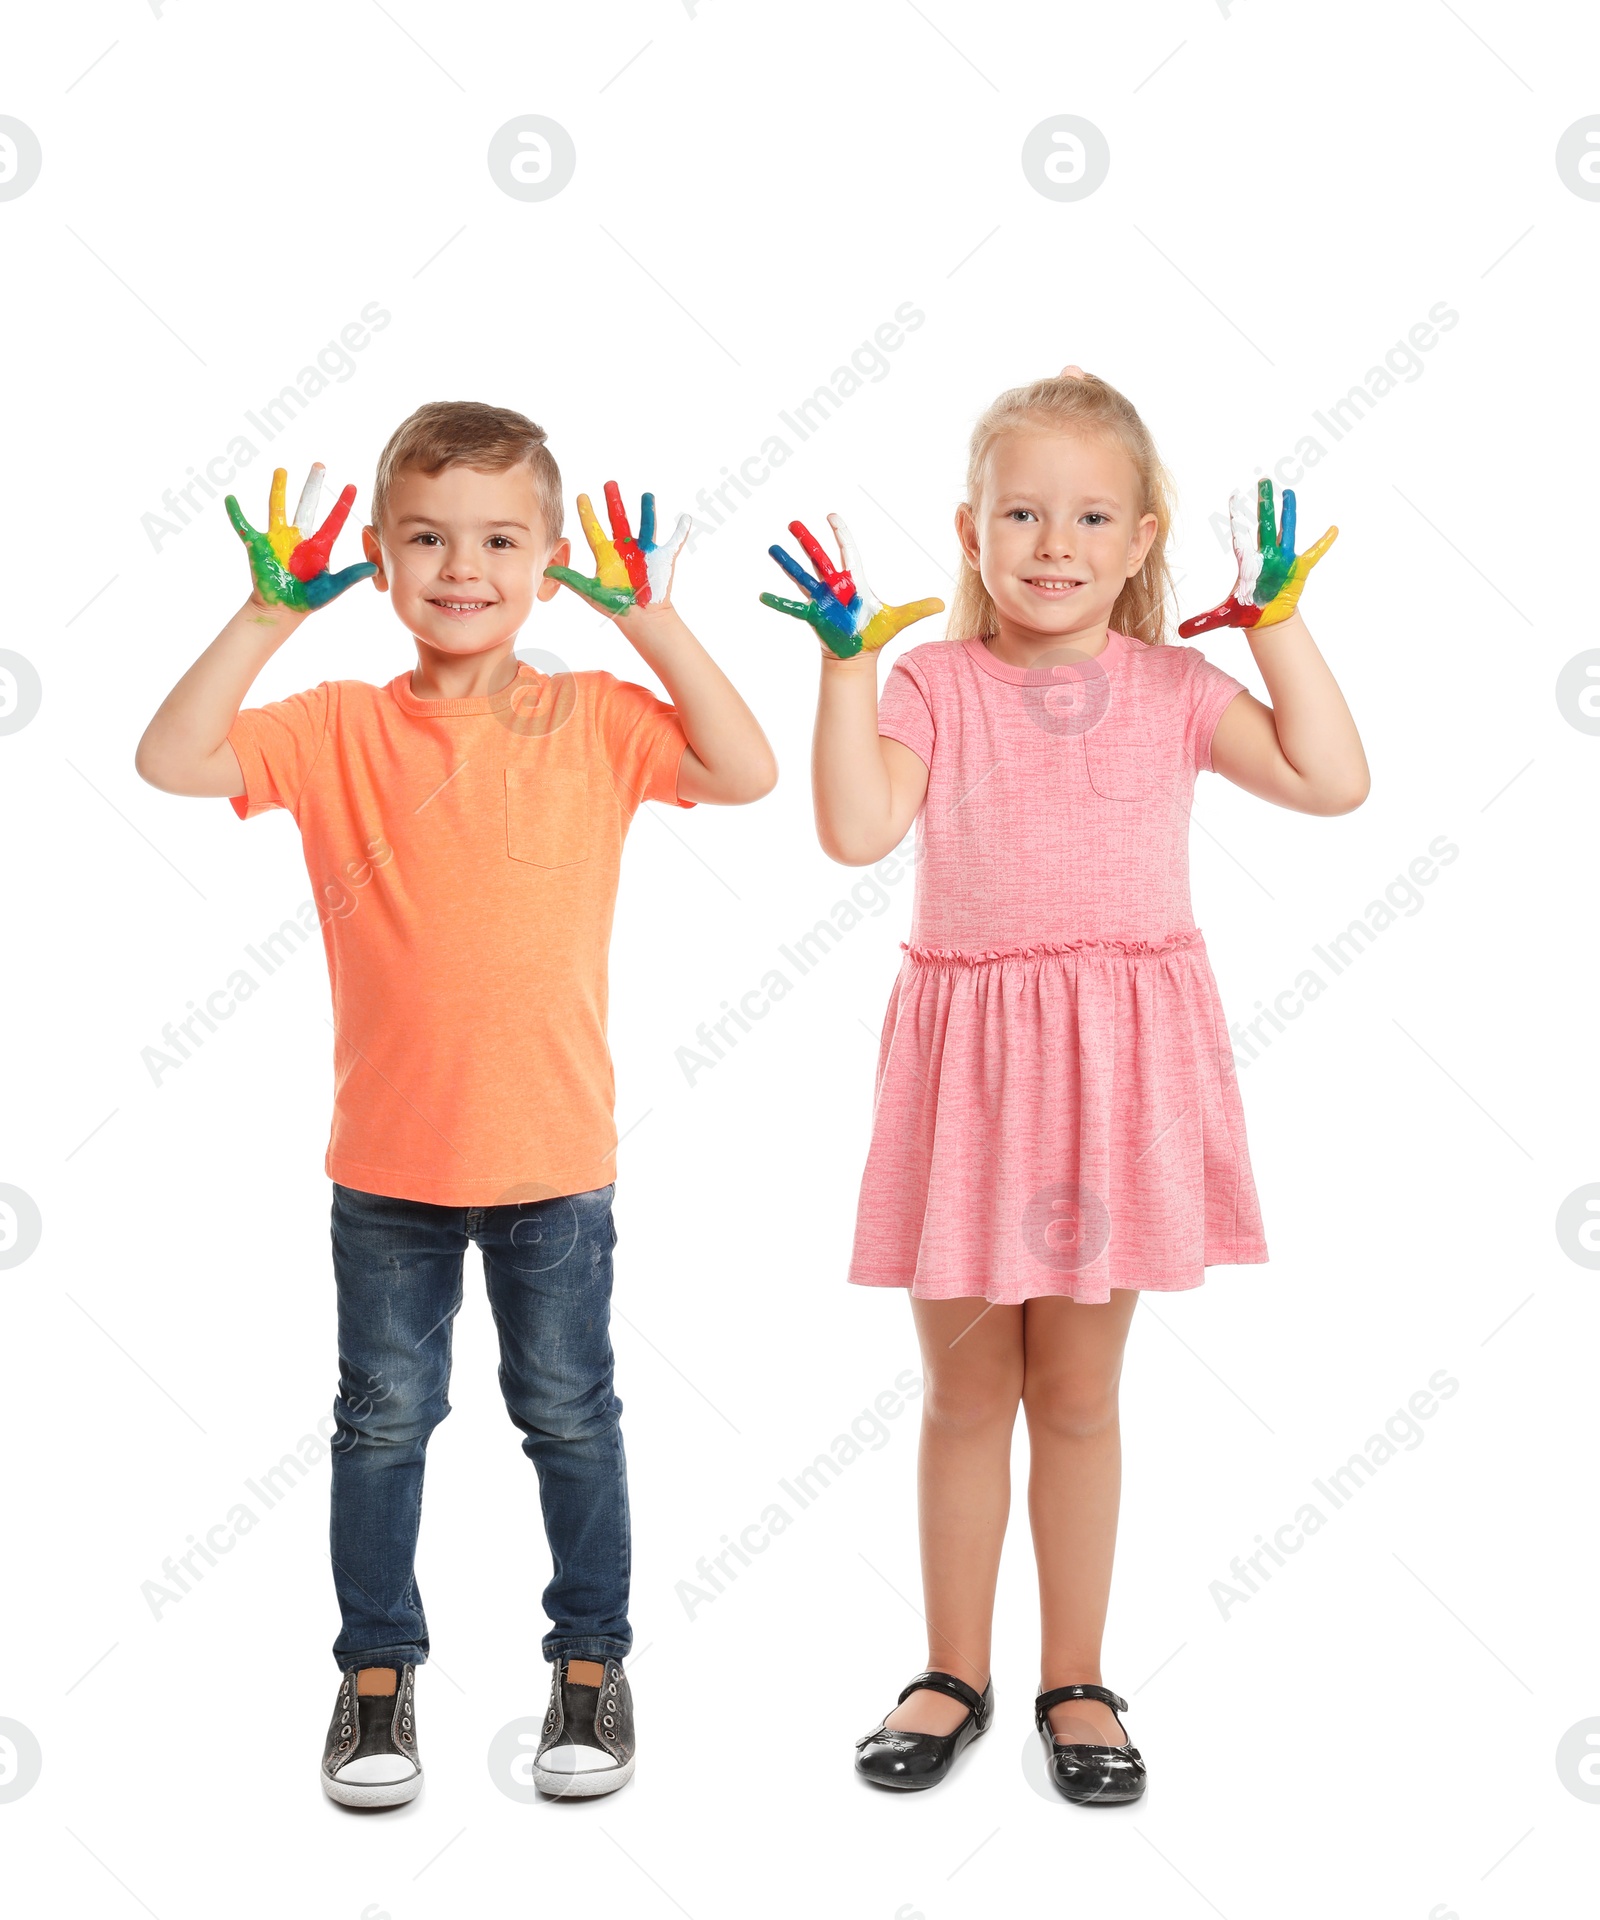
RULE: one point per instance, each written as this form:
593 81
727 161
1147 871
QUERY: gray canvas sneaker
586 1747
370 1759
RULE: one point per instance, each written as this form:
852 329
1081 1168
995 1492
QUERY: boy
475 810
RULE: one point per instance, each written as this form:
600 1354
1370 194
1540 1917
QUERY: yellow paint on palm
888 621
846 615
1287 598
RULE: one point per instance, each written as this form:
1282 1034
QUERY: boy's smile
460 609
463 552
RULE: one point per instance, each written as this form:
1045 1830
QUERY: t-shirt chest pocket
1125 761
548 817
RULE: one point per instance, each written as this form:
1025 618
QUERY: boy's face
463 552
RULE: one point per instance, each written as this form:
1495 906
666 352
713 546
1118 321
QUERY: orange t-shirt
464 855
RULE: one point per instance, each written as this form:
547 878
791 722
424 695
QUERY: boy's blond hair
466 433
1068 404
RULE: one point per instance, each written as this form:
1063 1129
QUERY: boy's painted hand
1271 576
628 573
288 569
848 616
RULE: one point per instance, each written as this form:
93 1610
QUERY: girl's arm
1303 750
866 789
728 760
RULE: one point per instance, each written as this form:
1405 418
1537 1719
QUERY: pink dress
1057 1110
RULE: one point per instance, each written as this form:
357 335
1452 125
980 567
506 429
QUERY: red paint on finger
618 514
1231 613
628 549
839 584
311 556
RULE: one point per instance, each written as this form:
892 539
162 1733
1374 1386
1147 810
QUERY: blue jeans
547 1264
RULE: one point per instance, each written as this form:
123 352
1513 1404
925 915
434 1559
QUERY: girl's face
1055 533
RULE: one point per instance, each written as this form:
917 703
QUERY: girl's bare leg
1072 1359
972 1367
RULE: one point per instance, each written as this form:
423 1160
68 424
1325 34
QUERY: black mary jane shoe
889 1757
1089 1775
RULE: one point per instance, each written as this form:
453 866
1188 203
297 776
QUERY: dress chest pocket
547 816
1123 765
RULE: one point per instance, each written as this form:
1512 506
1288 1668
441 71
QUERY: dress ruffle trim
955 957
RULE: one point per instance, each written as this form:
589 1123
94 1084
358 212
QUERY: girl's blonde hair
1075 404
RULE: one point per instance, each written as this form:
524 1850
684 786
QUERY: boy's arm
728 760
185 747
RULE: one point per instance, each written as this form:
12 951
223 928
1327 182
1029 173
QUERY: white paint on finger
1242 516
851 553
305 515
658 562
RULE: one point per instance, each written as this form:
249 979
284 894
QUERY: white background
1291 189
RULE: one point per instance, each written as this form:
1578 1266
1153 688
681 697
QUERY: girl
1057 1123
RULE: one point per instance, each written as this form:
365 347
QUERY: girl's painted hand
1271 576
287 569
627 572
848 617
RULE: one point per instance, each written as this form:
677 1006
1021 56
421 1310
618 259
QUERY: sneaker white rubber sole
377 1793
561 1783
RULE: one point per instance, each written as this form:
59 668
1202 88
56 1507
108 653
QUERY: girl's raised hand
627 572
287 569
1271 576
848 617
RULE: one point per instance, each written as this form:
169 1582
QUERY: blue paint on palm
826 608
324 587
860 623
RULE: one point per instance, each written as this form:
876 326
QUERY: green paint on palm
845 645
1277 560
613 599
274 582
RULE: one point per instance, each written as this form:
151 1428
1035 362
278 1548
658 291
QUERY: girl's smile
1055 536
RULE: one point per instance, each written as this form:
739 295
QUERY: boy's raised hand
628 572
1271 575
847 615
288 569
